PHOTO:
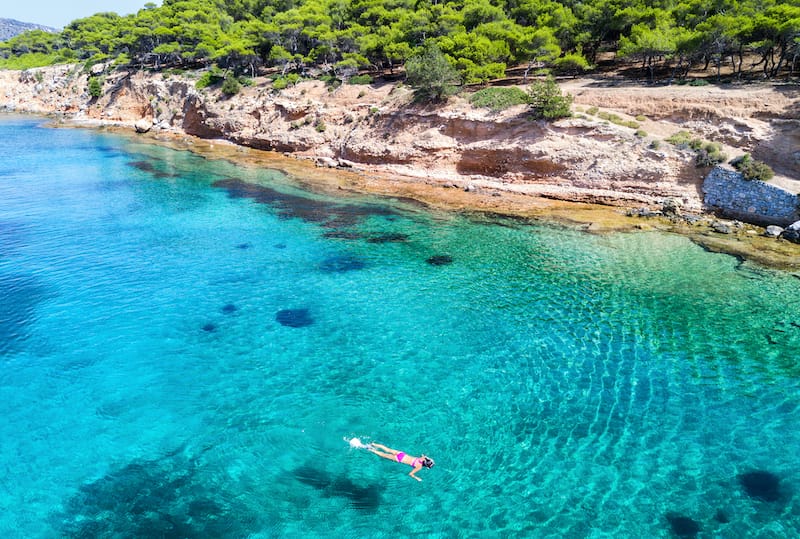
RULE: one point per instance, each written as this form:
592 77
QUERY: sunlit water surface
184 346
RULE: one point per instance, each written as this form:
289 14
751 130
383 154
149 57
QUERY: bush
320 126
710 155
208 78
641 133
641 118
680 139
592 110
280 84
752 169
698 82
231 86
360 79
547 101
655 145
500 98
571 63
95 86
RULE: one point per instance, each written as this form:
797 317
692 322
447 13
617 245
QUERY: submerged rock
761 485
341 264
440 260
229 308
683 526
294 318
391 237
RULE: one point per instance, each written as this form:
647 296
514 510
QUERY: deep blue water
185 344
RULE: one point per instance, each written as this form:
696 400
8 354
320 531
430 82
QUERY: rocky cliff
380 129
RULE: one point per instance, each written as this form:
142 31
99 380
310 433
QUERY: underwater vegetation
147 166
364 498
19 297
162 498
309 209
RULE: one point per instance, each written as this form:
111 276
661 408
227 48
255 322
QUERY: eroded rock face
380 129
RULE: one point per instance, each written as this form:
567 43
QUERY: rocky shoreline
583 171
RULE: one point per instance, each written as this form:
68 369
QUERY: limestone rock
792 232
142 126
720 227
773 231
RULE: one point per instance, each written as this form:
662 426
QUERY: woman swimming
398 456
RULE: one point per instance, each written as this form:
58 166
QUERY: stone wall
751 201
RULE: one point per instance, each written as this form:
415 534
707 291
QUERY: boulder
792 232
773 231
143 126
720 227
671 206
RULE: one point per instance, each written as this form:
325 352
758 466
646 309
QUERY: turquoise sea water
184 346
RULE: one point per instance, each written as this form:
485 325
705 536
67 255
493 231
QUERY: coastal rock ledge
379 129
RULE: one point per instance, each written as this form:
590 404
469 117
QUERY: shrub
698 82
360 79
680 139
709 155
320 126
499 98
752 169
95 86
592 110
231 86
641 133
572 63
280 84
293 78
641 118
655 145
548 102
208 78
695 144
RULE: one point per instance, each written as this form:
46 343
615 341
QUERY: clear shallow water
567 385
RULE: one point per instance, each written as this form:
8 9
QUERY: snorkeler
415 462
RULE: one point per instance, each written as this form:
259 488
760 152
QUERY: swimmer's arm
415 470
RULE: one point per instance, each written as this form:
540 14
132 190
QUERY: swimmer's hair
427 462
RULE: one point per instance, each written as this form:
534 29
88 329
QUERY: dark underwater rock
683 526
721 516
165 498
342 235
392 237
294 318
761 485
313 210
440 260
243 246
341 264
229 308
209 328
